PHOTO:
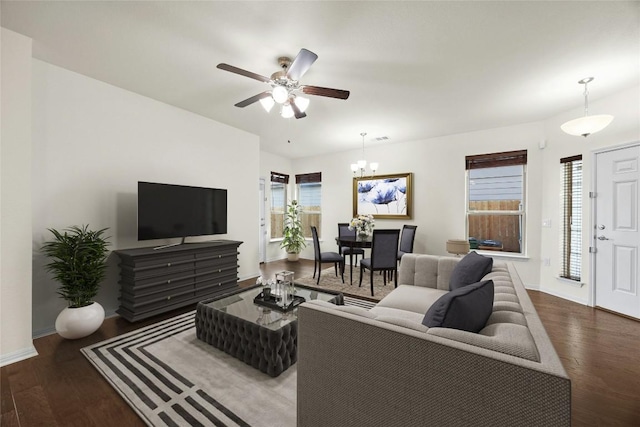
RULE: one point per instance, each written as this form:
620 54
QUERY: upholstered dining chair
325 257
384 252
345 251
406 240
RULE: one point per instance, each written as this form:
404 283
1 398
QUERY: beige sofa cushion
430 271
507 338
417 299
397 313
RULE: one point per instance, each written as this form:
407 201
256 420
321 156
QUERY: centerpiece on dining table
363 224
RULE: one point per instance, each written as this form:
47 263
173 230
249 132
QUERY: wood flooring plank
105 414
6 396
9 419
33 408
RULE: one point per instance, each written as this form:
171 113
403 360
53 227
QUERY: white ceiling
415 70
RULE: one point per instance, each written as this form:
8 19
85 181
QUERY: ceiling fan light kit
585 126
285 86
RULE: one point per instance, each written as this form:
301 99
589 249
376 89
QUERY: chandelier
361 165
586 125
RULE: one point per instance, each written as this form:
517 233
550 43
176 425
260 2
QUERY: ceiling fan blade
325 91
301 64
236 70
296 111
254 98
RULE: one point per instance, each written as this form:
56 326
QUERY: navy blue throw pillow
470 269
467 308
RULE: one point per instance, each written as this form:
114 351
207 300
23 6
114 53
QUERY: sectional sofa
383 367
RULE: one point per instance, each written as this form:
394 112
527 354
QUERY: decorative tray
272 303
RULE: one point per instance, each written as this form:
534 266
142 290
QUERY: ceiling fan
285 85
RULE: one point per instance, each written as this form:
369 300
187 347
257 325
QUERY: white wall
15 200
93 142
438 167
625 128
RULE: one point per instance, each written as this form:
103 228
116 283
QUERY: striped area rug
170 378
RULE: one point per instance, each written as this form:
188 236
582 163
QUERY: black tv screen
166 210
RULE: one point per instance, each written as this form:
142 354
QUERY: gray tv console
156 281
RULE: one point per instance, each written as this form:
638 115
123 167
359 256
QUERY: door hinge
592 250
592 194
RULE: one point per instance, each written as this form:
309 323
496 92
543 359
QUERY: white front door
617 238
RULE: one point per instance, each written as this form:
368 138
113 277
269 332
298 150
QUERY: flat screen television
167 211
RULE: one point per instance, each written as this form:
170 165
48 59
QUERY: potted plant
293 241
78 262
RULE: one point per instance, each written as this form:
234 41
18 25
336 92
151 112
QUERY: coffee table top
241 305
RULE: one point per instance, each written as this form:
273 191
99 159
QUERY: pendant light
361 164
586 125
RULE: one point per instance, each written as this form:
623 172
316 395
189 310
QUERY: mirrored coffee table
263 338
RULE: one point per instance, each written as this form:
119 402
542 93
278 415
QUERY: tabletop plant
78 262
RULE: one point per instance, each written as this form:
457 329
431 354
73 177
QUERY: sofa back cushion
429 271
471 269
467 308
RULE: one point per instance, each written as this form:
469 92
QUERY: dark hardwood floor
600 352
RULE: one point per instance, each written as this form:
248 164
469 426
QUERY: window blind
509 158
279 177
571 218
309 178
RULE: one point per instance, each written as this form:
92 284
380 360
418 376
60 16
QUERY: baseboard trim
618 314
18 355
564 296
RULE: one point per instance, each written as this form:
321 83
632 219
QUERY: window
310 201
496 202
279 183
571 218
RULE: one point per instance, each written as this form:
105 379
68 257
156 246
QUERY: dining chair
325 257
407 237
406 240
343 231
384 252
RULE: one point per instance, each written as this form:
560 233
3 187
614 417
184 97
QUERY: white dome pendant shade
585 126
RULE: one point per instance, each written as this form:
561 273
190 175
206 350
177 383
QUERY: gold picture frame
383 196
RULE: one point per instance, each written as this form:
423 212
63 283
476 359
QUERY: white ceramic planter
292 256
73 323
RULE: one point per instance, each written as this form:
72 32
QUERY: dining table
354 242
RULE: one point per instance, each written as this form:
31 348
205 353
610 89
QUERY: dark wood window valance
279 177
307 178
509 158
571 159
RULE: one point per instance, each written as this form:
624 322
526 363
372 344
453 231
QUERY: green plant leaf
293 238
78 262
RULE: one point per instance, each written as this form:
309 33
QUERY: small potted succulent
293 241
78 262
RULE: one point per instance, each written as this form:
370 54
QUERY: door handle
602 238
